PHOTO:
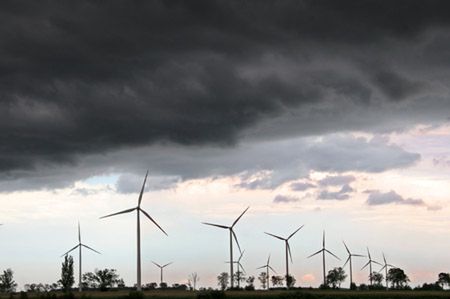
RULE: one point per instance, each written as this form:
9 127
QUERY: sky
330 114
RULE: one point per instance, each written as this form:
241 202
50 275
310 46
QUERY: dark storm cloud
87 78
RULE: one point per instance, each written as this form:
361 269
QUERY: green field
294 294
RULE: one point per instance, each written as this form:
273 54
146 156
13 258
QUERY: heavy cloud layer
83 79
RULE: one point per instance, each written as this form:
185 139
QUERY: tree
193 280
67 279
376 278
222 280
277 280
335 277
7 283
290 281
250 283
101 279
263 279
238 278
398 278
443 279
163 285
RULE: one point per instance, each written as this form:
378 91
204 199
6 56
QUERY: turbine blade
332 254
90 248
368 253
382 268
142 190
346 248
358 255
237 242
315 253
235 221
167 264
151 219
289 251
240 257
275 236
365 265
70 250
384 258
268 260
121 212
295 232
348 259
375 262
272 269
158 265
217 225
261 267
323 239
242 267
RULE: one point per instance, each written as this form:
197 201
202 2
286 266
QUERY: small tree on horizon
7 283
290 281
239 277
277 280
67 279
377 278
443 279
263 279
101 279
335 277
250 283
222 280
398 278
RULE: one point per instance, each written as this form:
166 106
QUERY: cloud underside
378 198
195 82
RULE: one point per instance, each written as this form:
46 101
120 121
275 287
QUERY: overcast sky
332 114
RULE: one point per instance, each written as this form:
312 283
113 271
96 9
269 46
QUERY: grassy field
294 294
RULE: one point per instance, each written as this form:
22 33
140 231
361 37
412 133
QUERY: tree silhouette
222 280
290 281
239 277
250 283
443 279
397 277
277 280
263 279
101 279
67 279
376 278
335 277
7 283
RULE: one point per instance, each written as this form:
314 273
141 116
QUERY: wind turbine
232 235
349 259
369 263
138 210
161 268
385 267
239 265
267 266
323 251
79 246
287 249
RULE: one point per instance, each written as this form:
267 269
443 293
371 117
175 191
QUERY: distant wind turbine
369 263
323 251
239 266
79 246
349 260
138 210
162 268
267 266
385 267
232 235
287 250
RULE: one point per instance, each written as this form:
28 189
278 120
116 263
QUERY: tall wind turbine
287 250
385 267
79 246
323 251
267 266
369 263
162 268
349 259
232 235
138 210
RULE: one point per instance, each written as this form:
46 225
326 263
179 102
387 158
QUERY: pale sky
326 114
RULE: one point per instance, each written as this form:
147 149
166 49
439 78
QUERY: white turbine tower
349 260
287 250
138 210
79 246
162 269
323 251
232 235
267 266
